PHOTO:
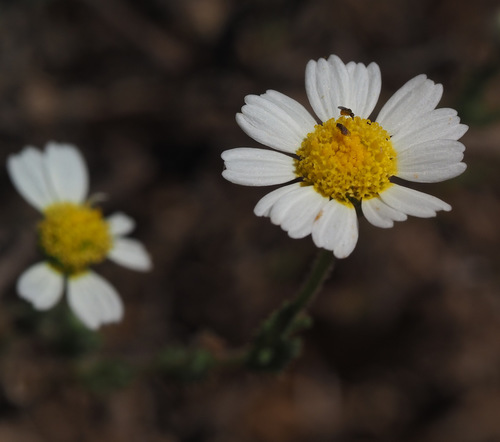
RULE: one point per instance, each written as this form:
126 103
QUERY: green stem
275 344
319 273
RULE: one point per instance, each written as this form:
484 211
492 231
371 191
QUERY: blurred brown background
406 340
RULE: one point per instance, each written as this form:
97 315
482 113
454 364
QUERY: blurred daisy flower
345 165
73 235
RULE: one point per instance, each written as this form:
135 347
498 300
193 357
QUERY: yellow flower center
74 237
347 159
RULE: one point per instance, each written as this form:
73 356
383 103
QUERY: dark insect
346 111
343 129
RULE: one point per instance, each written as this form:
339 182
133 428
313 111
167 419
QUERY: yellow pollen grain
74 237
347 159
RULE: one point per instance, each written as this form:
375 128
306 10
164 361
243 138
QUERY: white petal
296 211
412 202
400 96
130 253
365 84
275 120
431 161
336 229
120 224
41 285
341 82
68 172
294 109
327 86
380 214
330 84
257 167
288 204
265 204
417 97
374 86
437 150
29 176
430 174
94 300
438 124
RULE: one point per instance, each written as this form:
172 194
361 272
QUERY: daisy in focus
345 165
73 235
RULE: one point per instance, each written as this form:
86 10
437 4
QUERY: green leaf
184 364
107 376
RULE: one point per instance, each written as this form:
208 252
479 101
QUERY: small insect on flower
345 111
325 174
343 129
73 235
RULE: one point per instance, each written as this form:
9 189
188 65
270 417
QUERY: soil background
405 344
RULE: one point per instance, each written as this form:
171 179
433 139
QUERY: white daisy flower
73 235
346 163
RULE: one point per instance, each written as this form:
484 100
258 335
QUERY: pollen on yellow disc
347 159
74 236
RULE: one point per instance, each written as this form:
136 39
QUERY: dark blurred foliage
405 343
